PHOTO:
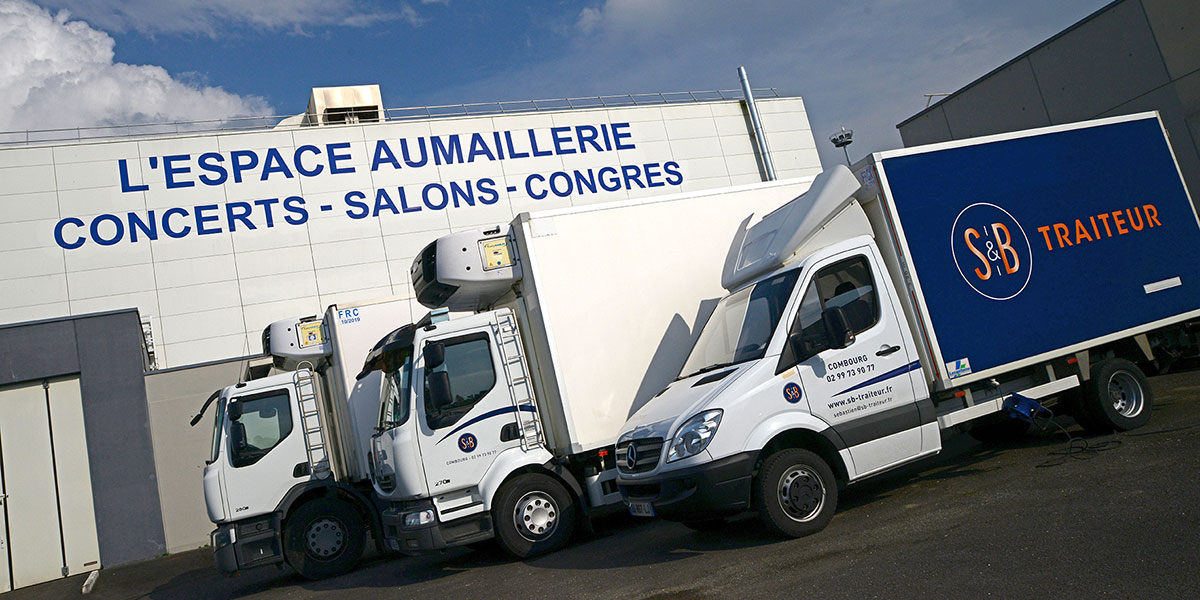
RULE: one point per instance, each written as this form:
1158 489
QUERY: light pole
841 139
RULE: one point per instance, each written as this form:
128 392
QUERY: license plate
641 509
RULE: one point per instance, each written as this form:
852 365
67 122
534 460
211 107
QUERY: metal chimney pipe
759 134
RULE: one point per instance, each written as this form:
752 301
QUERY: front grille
647 452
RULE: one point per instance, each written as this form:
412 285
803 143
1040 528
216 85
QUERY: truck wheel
1117 397
534 514
795 493
324 538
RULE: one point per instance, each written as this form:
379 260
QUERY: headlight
417 519
694 436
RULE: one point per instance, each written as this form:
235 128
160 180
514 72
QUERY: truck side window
266 420
469 364
846 284
394 395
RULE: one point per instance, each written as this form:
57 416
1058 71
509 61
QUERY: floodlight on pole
841 139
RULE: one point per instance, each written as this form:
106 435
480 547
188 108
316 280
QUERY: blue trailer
1029 256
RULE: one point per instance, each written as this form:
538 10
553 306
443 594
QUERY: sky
863 65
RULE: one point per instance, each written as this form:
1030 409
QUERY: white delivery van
962 283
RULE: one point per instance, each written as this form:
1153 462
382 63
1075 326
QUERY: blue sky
861 64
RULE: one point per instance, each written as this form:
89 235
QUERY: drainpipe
759 134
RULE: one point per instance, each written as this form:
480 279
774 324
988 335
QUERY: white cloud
55 72
208 17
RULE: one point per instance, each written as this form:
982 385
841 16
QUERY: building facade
213 236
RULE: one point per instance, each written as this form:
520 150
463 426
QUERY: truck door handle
509 432
887 350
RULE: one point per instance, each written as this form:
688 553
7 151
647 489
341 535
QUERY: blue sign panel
1033 244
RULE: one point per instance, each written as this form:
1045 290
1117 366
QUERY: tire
795 493
533 515
1001 429
705 525
1116 398
324 538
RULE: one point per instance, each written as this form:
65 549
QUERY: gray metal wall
180 450
1131 56
106 350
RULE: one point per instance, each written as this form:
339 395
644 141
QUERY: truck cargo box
1017 248
613 295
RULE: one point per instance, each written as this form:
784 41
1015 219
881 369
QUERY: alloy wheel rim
1126 395
801 493
536 516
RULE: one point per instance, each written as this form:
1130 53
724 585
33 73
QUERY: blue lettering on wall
240 166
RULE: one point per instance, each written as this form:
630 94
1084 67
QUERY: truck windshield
394 408
218 422
740 328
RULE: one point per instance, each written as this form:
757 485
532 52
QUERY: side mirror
435 355
439 390
237 438
234 411
837 328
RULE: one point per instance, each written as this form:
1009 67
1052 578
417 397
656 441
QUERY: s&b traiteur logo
992 251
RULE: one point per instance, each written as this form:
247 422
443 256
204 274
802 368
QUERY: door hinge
45 384
66 571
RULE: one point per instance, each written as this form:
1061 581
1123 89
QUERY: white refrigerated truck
502 423
288 477
933 287
499 423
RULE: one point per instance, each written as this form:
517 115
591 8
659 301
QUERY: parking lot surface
1023 520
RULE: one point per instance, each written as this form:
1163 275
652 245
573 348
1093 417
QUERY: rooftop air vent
344 105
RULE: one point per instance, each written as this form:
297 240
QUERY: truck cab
288 477
816 349
456 420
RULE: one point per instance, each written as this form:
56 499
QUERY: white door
34 537
458 443
862 391
45 485
78 515
263 449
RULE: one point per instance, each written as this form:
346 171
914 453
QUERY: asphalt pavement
1025 520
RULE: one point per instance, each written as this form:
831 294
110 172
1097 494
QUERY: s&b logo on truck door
991 251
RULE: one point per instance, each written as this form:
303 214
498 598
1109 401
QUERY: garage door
48 523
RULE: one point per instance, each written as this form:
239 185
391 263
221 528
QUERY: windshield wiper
709 368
